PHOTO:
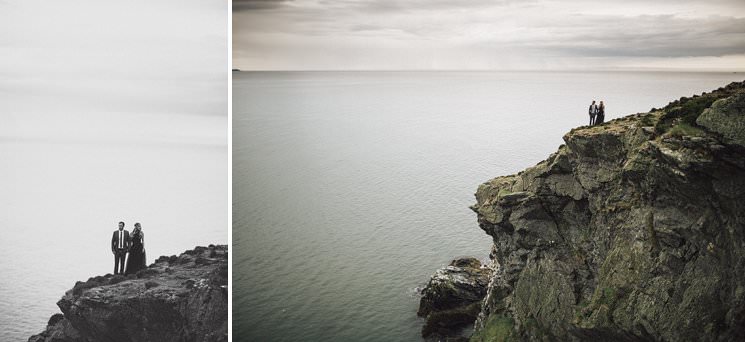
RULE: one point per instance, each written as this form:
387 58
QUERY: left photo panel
114 167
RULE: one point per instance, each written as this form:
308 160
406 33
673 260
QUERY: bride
136 259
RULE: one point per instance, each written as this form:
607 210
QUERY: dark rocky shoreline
452 298
177 298
634 230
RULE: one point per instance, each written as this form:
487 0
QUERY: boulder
451 299
727 117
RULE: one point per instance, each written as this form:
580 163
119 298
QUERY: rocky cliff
178 298
634 230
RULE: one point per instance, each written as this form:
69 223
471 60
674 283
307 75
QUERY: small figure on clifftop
136 260
601 114
119 246
593 111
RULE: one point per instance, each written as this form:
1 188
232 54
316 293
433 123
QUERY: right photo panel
488 170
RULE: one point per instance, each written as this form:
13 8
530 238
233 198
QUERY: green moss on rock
685 129
726 117
581 256
496 329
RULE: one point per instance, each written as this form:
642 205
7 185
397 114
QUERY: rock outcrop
178 298
452 298
634 230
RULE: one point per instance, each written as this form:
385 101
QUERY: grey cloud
484 30
366 27
390 6
245 5
653 36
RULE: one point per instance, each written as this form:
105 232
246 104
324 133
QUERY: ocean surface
70 172
351 188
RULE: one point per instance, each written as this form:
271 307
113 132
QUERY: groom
119 246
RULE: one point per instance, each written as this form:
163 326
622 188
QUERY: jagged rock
58 330
451 299
726 117
627 233
175 299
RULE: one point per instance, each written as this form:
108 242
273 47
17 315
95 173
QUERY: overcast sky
488 34
114 70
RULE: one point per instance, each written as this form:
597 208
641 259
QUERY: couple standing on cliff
122 243
597 113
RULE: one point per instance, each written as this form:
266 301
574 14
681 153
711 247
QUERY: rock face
634 230
58 329
726 117
178 298
452 298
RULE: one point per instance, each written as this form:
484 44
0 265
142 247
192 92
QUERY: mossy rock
726 117
684 129
651 251
497 328
687 110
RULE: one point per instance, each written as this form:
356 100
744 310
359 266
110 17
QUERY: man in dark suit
593 111
119 246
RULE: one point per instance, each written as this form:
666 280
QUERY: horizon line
733 71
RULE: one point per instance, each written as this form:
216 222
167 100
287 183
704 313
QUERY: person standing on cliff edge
136 259
119 246
593 111
601 114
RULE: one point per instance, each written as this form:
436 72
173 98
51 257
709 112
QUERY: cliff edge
177 298
634 230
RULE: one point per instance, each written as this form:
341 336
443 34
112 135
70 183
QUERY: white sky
122 71
481 34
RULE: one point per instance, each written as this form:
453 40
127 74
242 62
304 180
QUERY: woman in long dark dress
136 260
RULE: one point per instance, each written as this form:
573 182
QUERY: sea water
351 188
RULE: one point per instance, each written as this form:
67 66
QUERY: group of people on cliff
122 243
597 113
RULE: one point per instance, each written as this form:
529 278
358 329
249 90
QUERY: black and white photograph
114 170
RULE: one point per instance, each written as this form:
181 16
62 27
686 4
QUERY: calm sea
351 188
67 178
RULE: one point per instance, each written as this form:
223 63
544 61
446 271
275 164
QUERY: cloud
245 5
388 6
479 33
639 36
138 55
